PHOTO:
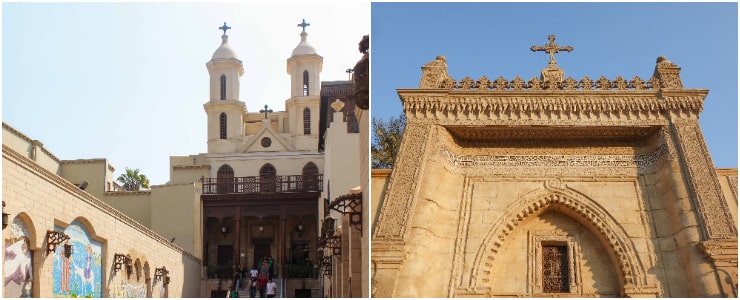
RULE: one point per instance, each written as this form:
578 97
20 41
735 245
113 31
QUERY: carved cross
304 25
551 48
224 28
266 111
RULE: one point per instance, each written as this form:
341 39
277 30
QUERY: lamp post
5 216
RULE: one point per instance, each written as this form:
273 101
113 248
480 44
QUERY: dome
224 51
304 47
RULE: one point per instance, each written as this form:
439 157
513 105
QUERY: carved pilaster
706 192
387 257
395 213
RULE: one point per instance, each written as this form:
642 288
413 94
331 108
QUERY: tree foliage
386 141
132 180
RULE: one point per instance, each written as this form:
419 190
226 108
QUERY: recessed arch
225 179
33 239
581 209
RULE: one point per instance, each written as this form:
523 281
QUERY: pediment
267 140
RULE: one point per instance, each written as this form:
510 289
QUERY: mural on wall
18 262
78 275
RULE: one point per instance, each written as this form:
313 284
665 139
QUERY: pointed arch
310 177
306 121
305 83
223 87
268 176
581 209
222 126
225 179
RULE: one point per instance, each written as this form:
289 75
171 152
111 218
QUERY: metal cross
304 24
266 111
224 28
551 49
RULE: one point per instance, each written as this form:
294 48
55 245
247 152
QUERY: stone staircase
278 290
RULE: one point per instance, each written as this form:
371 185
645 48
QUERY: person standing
270 262
262 283
252 287
271 286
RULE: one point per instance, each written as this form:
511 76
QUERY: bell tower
224 110
304 68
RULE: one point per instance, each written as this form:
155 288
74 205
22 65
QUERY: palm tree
133 181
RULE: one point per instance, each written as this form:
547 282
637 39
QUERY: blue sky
609 39
127 81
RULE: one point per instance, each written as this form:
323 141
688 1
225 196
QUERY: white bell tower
224 110
304 68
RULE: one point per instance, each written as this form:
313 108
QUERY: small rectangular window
555 269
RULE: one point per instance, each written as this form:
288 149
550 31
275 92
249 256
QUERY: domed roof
304 47
224 51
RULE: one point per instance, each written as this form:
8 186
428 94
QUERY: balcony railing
263 184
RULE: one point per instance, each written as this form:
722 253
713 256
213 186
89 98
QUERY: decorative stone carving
707 194
434 73
667 73
404 181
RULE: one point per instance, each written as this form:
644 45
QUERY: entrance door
225 255
260 250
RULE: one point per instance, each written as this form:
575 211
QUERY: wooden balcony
263 184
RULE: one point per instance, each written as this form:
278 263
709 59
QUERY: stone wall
41 200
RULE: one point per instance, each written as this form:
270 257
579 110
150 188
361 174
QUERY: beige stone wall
32 149
176 213
44 200
135 205
378 184
97 172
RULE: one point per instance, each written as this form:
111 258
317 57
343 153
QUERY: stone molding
34 143
70 188
553 106
88 161
633 276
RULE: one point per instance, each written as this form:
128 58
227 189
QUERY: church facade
554 187
263 190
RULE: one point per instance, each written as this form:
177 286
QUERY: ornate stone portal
554 187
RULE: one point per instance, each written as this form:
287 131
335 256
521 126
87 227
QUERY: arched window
225 179
267 178
223 87
306 121
310 177
222 124
305 83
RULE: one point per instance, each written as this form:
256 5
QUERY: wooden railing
263 184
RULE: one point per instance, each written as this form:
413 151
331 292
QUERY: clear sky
127 81
609 39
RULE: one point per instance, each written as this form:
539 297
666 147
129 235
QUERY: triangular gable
277 143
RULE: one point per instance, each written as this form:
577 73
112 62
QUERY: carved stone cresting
665 76
707 194
633 277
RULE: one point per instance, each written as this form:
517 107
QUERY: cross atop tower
304 25
551 48
224 28
266 111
